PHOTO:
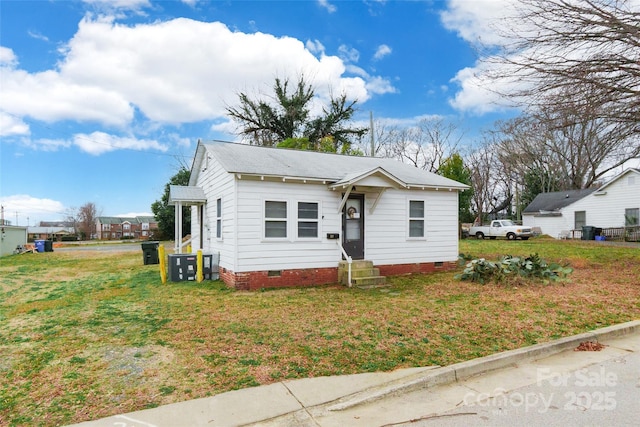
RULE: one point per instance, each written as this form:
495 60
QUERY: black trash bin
588 232
150 252
48 246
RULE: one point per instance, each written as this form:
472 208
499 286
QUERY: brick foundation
254 280
415 268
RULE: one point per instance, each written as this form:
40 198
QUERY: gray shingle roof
182 193
253 160
554 201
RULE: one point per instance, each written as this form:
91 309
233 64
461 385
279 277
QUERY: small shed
12 237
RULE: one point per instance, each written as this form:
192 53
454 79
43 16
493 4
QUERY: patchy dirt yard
87 335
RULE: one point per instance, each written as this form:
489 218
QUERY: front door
353 226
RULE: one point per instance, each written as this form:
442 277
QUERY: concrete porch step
363 274
356 264
369 282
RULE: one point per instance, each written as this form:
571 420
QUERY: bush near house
89 334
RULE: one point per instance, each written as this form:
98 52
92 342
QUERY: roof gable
618 177
245 159
367 176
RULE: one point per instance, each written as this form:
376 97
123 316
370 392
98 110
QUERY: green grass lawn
85 335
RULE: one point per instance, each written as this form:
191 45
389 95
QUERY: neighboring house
11 237
116 228
280 217
49 232
614 205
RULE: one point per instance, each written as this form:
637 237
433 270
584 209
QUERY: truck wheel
479 235
511 236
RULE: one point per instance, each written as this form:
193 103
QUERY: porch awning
186 195
367 178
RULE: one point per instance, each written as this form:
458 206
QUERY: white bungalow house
280 217
614 205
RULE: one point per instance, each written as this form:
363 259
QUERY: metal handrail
349 261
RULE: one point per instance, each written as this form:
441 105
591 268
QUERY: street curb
463 370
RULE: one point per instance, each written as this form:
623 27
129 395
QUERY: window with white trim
631 217
416 218
219 218
579 219
307 220
275 219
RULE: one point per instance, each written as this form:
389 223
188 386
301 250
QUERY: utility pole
373 143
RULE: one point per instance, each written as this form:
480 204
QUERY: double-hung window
579 219
631 217
219 219
416 218
275 219
307 220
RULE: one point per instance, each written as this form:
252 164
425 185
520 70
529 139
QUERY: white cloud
11 125
49 96
19 207
7 57
380 86
382 51
477 94
134 214
99 142
328 6
478 22
348 53
171 72
314 46
46 144
38 36
177 71
113 5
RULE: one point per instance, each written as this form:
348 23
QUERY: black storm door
353 226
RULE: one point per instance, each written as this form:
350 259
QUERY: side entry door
353 226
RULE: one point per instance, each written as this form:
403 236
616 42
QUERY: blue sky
100 101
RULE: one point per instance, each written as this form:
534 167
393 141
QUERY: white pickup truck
501 228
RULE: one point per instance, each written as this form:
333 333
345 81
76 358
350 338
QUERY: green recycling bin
588 232
150 252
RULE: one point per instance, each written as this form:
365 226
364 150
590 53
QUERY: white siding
549 225
603 209
386 230
217 183
255 253
607 210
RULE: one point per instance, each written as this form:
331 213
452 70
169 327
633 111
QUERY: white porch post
178 228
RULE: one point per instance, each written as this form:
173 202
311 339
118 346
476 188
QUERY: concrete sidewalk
391 398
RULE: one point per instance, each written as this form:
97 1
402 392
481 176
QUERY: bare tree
571 47
574 147
425 145
87 215
487 180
